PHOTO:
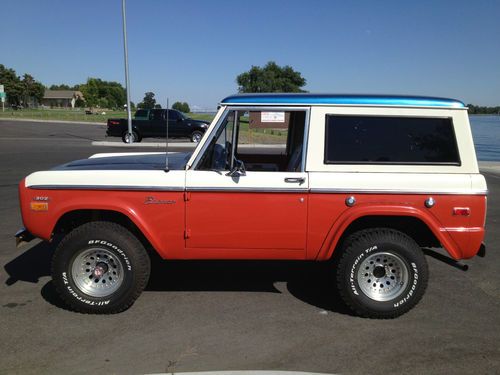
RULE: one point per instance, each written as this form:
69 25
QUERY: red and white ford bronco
367 181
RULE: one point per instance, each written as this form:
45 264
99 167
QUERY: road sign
2 97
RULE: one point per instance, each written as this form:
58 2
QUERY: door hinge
187 196
187 233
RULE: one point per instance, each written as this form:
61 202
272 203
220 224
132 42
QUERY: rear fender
349 216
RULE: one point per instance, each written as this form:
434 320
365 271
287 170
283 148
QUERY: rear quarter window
390 140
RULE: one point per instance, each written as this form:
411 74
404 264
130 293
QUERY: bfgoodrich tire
382 273
100 268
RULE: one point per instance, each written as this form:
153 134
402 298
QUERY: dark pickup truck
152 123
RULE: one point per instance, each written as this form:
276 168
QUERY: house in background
61 98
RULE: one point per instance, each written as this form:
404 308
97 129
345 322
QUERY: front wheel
196 136
100 268
382 273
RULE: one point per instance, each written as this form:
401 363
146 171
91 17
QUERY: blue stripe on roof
382 100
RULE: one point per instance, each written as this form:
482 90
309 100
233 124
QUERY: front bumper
23 236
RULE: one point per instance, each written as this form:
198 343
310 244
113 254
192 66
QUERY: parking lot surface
228 315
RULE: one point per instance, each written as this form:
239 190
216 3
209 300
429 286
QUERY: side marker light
39 206
461 211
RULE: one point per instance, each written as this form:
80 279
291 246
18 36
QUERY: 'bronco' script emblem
153 200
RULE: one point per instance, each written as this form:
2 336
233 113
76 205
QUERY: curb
145 144
175 144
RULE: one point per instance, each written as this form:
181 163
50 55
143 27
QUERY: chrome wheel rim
196 137
383 276
97 272
130 138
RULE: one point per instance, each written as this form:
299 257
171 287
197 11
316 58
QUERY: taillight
114 122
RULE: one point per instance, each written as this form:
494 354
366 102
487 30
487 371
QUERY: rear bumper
23 236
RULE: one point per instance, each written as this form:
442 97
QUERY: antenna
166 144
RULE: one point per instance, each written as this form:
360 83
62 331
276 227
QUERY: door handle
296 180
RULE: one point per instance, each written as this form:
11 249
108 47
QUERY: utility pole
127 80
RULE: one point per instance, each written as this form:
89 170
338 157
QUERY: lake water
486 133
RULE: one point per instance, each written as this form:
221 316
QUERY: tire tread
367 236
142 263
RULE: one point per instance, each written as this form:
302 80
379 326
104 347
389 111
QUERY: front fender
162 225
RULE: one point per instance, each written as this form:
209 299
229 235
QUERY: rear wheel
131 138
101 268
382 273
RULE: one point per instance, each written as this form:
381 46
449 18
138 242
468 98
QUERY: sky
192 50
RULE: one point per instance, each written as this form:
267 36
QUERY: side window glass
379 140
141 113
157 115
265 141
173 115
217 155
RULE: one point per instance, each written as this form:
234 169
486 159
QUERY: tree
31 89
475 109
12 85
270 78
99 92
90 91
181 106
26 91
148 102
96 92
62 86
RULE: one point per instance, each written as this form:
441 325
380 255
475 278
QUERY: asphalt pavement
228 315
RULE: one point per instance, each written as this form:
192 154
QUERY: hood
176 161
198 121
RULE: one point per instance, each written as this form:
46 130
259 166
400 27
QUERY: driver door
243 214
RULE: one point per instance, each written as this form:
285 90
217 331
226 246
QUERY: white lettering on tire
114 247
80 298
412 289
352 281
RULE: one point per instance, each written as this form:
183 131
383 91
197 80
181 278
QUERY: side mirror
238 169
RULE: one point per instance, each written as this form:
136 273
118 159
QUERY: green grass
201 116
265 136
78 115
61 115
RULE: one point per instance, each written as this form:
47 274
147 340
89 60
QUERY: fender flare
126 211
349 216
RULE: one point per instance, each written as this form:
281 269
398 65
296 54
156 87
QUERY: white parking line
246 372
